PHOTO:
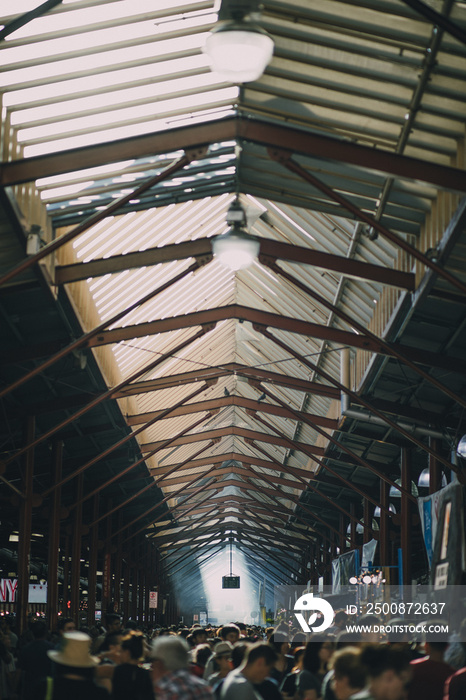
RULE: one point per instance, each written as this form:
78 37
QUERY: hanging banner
106 579
153 599
37 593
449 553
336 582
8 587
343 568
368 554
429 507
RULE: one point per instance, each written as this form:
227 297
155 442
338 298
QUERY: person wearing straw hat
73 672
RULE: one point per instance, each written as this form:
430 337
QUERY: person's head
238 653
112 644
39 629
346 639
203 652
317 654
298 640
298 655
222 657
198 636
133 648
349 675
436 650
279 641
369 621
113 622
388 671
168 654
65 624
258 662
341 618
242 628
230 633
132 625
74 656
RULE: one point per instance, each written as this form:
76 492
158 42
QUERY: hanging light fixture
238 49
424 479
230 581
236 249
461 448
396 493
391 508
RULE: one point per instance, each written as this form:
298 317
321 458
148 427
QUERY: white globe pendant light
235 248
239 51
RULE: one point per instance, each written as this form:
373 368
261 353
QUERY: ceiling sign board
230 581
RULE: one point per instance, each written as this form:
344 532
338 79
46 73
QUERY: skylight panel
78 65
79 42
81 17
62 89
89 172
67 191
20 7
88 139
108 100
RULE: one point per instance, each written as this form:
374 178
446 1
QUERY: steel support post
118 569
367 528
66 576
76 554
342 536
126 587
141 581
134 591
107 563
384 524
435 471
54 536
353 534
406 511
140 588
92 570
327 564
25 530
147 579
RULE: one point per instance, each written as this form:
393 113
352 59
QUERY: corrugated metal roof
374 74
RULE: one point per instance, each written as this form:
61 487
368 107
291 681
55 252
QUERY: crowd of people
233 662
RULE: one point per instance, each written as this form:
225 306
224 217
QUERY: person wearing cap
222 666
227 633
170 671
73 672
